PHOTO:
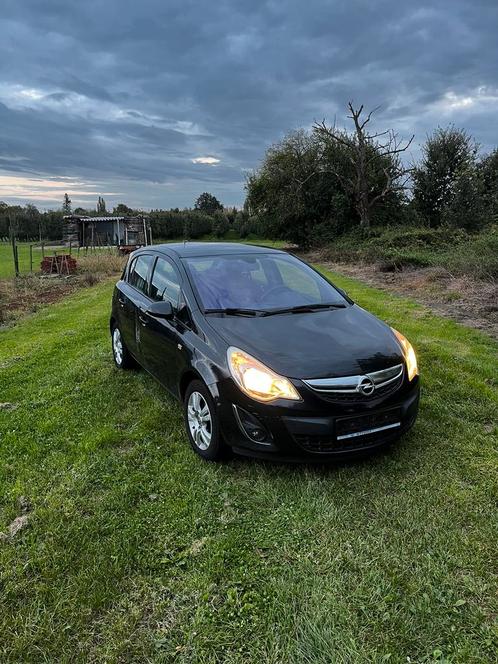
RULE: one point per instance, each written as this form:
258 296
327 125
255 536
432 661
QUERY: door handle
142 319
121 302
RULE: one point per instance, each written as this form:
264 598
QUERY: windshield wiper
236 311
304 308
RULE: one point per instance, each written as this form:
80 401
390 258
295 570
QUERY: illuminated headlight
256 380
409 353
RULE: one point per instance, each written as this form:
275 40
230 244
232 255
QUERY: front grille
359 387
353 432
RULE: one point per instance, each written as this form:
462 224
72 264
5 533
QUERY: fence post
15 254
31 258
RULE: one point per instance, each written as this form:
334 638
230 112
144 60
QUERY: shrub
196 224
220 224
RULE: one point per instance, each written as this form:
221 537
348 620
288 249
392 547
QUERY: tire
121 355
204 434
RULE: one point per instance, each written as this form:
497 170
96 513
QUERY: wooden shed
82 231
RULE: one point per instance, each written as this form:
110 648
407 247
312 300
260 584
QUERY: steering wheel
273 290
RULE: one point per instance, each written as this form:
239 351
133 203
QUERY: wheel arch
198 372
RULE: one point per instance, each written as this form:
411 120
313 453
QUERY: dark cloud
126 95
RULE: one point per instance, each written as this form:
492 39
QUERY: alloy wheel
199 420
117 346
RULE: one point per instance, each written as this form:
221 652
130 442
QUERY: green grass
7 261
138 551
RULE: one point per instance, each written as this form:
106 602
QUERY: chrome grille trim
355 434
353 384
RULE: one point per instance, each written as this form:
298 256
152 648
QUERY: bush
397 248
196 224
176 224
220 224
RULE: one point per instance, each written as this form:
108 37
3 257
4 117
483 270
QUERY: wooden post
70 247
15 254
43 249
31 258
145 231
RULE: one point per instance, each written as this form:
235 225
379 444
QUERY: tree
365 151
208 203
465 208
448 154
101 209
31 222
122 210
286 193
66 204
488 169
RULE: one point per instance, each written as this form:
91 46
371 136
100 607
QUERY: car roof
189 249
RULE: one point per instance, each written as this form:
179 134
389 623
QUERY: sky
153 102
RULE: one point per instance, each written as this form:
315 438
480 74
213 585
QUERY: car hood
337 342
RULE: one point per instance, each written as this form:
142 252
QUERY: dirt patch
469 301
19 522
26 294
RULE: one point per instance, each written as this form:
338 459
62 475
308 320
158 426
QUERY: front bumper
317 428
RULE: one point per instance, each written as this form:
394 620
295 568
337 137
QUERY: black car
266 355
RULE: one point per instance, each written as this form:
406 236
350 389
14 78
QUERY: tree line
315 185
207 216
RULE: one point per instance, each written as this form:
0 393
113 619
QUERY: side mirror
161 309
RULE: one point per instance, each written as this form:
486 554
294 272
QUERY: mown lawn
138 551
7 260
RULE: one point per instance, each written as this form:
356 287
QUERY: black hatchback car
266 355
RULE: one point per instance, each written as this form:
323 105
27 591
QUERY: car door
161 338
133 297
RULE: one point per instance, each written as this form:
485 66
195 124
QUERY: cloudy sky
153 102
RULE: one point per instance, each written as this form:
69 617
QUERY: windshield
258 282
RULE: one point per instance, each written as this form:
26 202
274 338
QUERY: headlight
258 381
409 353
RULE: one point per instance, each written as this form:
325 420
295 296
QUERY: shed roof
78 217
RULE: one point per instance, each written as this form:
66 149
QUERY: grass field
7 261
137 551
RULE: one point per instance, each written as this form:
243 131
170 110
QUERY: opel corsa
266 355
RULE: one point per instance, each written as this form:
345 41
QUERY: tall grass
399 247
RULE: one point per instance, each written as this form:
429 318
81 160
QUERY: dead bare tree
382 147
